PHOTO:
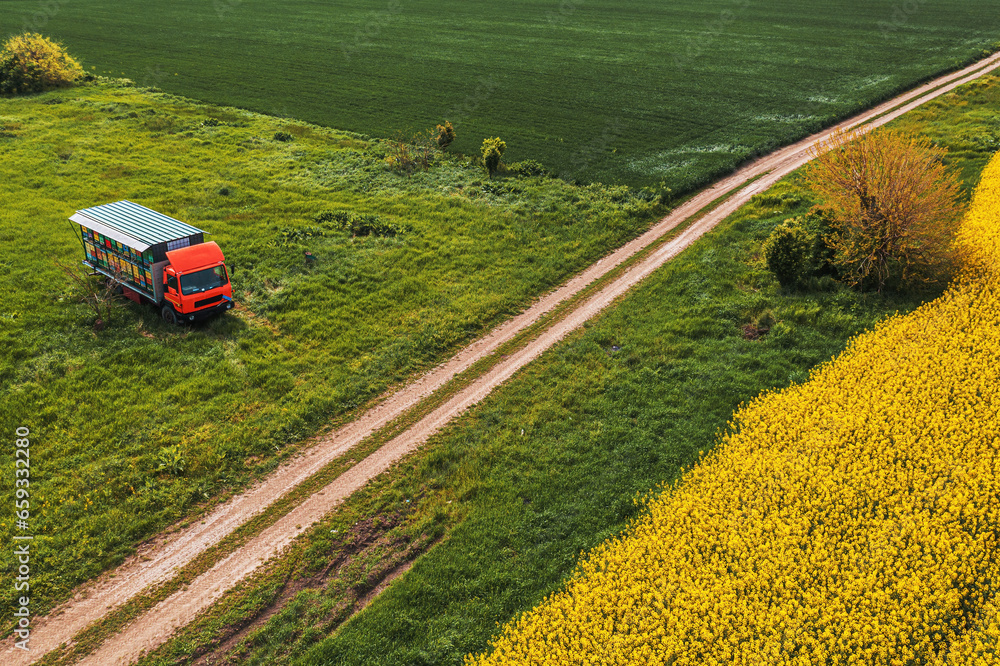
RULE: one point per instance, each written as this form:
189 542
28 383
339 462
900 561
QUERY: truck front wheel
169 315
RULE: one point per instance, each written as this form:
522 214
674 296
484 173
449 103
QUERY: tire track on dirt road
154 565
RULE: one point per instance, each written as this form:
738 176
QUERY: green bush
445 135
818 224
493 150
529 168
501 189
283 136
357 224
787 251
171 460
658 193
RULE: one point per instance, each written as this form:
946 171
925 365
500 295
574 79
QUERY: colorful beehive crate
126 241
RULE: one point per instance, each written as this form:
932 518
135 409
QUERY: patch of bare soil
383 557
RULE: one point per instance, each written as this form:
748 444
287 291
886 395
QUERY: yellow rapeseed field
853 519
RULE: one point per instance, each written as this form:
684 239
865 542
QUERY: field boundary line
143 572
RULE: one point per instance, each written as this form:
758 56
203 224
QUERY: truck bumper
206 313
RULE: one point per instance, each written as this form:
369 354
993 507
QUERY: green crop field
642 93
548 465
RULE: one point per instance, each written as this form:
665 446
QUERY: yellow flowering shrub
853 519
30 62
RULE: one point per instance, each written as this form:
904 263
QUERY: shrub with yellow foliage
30 62
893 203
852 519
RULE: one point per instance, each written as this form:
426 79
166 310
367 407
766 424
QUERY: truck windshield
203 280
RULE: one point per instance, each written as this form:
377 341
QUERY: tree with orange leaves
894 204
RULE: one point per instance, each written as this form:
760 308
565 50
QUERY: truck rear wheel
169 315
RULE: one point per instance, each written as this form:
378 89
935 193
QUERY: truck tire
169 315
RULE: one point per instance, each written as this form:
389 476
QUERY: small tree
787 252
445 135
493 150
401 156
894 206
31 63
100 295
409 154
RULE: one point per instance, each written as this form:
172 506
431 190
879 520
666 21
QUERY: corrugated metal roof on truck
138 226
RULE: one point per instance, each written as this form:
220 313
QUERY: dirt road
158 562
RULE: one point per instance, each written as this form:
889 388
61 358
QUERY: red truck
156 259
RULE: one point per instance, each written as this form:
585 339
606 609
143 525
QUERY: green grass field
134 425
548 466
640 93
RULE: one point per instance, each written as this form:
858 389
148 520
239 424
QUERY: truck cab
195 283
